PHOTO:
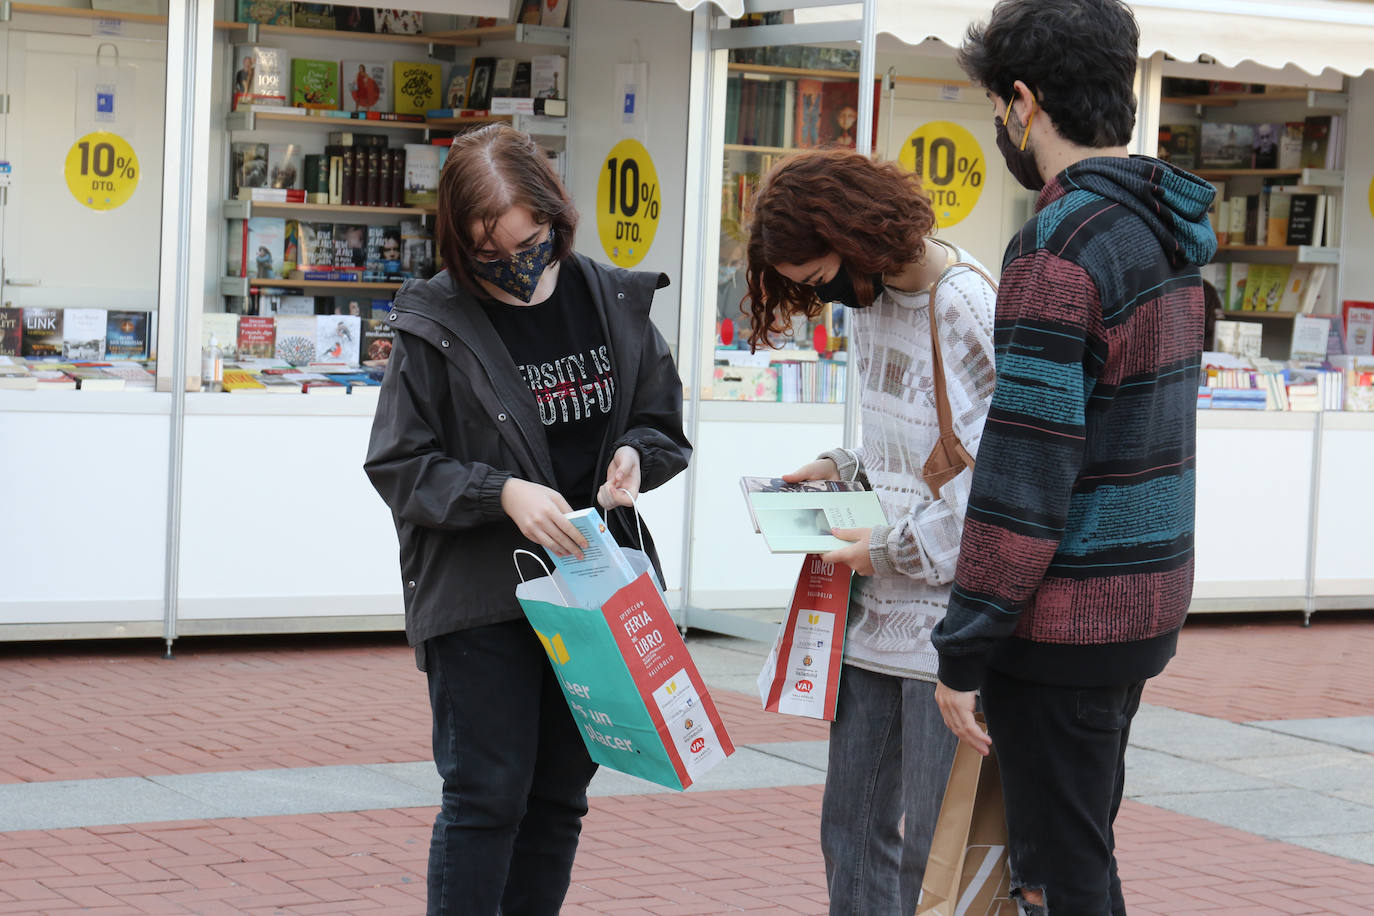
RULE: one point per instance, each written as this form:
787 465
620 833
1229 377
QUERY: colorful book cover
266 12
1227 146
242 380
83 334
603 569
257 337
260 76
315 84
126 335
11 331
284 165
249 166
296 339
315 245
422 175
313 15
807 119
366 86
383 256
266 247
417 250
374 348
457 95
397 22
796 520
337 338
839 113
350 246
416 87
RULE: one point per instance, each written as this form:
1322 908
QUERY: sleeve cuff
877 551
489 492
962 672
845 462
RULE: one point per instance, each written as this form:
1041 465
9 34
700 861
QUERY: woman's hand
820 469
539 512
854 554
622 474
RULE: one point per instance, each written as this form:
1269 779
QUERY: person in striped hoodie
1076 565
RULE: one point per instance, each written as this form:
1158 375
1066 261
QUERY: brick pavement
1271 668
661 855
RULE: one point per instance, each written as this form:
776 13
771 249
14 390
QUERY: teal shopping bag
637 698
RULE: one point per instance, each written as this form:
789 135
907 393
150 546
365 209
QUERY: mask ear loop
1006 121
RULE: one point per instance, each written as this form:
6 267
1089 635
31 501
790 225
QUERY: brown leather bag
949 457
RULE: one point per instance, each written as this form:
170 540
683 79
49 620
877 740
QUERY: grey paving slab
1356 846
1156 773
420 774
1354 732
302 790
748 768
1194 737
1274 813
814 754
728 662
95 802
1328 771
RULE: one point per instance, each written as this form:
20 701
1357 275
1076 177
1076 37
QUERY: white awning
1313 35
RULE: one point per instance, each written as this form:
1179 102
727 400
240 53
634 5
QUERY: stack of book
272 248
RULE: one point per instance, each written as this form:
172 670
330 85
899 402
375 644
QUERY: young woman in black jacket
525 381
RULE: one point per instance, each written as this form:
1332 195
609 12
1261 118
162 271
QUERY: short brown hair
873 214
487 172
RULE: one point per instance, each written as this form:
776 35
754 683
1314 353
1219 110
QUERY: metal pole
863 142
190 35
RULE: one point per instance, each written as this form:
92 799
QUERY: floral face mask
519 274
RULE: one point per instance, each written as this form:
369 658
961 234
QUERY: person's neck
548 280
1058 154
922 272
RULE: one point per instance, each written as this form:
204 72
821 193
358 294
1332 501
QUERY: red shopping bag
802 674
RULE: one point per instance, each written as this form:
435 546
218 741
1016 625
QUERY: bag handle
942 408
515 558
639 521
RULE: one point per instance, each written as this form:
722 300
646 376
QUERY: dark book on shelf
373 196
349 181
1316 135
398 176
383 256
313 15
354 19
1302 216
42 332
11 331
126 335
375 347
384 198
479 89
350 246
522 85
417 250
356 138
1266 145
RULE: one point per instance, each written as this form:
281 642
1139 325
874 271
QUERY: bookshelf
239 286
791 72
247 209
252 33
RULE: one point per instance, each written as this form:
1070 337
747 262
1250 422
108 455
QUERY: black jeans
1062 752
515 775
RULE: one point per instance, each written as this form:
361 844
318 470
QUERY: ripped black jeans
1062 751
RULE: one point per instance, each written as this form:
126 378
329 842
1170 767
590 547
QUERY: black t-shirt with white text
560 352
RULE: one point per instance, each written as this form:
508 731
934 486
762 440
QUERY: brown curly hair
873 214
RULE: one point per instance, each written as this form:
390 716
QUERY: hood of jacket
1171 201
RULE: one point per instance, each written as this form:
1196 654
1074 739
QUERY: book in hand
603 570
797 517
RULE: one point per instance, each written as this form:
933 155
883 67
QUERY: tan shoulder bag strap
949 457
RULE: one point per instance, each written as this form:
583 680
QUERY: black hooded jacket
455 421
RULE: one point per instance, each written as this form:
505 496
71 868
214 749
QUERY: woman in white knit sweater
834 226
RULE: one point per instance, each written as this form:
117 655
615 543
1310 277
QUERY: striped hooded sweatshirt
1076 565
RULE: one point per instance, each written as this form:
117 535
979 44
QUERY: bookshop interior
245 184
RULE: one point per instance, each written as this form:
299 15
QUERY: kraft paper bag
639 702
968 873
801 676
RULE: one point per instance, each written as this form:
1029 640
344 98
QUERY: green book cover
315 83
416 87
797 517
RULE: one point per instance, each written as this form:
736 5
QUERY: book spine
398 177
374 179
350 173
384 181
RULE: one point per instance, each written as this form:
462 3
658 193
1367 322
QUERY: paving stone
1358 847
1154 772
1194 737
1271 812
1354 732
1330 771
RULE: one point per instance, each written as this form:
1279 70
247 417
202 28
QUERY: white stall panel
1345 514
279 519
731 566
84 506
1253 495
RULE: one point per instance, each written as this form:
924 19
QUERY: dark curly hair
1077 56
488 171
873 214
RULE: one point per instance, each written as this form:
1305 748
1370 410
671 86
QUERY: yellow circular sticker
102 171
627 203
950 163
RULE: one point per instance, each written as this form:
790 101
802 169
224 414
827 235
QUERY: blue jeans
515 775
890 756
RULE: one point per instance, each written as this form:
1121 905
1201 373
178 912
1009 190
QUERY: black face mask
1020 162
840 288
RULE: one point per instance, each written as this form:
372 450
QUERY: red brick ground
96 710
663 855
1271 668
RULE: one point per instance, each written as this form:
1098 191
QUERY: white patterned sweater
892 613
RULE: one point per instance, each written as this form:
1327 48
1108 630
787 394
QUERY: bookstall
237 253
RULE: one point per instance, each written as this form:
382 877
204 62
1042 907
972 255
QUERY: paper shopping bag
637 698
968 872
802 674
